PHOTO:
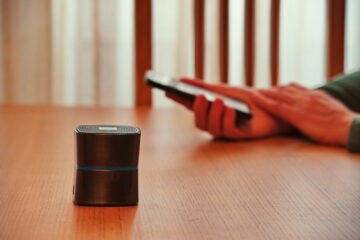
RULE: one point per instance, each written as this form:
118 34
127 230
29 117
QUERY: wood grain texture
143 50
190 186
199 28
249 42
335 37
224 40
274 41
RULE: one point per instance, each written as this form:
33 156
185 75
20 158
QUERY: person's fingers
293 89
200 109
277 107
215 118
187 103
283 96
297 86
229 125
288 90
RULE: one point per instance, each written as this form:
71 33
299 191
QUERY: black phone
189 92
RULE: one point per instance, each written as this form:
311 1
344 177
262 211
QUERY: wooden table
190 186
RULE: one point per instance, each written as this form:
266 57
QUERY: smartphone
189 92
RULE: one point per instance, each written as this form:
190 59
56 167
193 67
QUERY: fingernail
218 100
202 98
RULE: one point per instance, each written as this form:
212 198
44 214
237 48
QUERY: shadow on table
104 222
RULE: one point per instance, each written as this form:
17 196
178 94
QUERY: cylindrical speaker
106 171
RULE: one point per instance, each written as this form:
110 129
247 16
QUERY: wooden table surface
190 186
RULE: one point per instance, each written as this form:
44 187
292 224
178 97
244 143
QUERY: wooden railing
335 42
143 50
335 37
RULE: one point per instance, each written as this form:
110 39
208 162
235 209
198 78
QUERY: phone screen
188 91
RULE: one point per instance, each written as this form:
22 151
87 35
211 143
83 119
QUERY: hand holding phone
189 92
218 119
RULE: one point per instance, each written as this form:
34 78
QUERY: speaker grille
107 129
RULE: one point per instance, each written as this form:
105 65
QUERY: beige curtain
84 52
26 51
81 52
66 52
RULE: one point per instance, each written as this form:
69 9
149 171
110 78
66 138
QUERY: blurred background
81 52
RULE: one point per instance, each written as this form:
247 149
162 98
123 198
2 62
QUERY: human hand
313 112
220 121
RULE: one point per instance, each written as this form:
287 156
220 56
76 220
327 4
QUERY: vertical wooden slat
335 37
274 41
143 51
224 40
249 42
199 18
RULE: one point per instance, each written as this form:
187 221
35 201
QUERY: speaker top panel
107 129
